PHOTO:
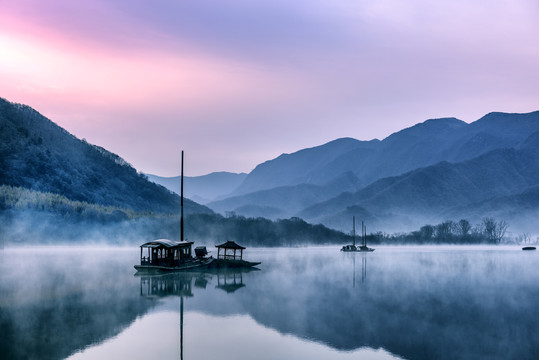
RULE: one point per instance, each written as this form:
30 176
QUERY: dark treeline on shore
488 231
31 217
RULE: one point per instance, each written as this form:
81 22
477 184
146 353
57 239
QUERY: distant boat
363 247
528 248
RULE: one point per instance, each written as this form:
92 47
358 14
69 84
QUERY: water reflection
363 257
180 285
166 285
416 303
56 301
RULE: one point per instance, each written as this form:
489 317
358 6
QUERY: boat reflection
181 285
363 267
158 286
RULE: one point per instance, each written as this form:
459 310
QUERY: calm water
312 303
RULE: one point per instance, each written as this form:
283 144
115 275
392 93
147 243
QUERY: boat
361 248
528 248
165 255
231 259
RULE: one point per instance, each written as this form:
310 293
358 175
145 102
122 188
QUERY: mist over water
452 302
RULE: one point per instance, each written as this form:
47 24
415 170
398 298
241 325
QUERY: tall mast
354 229
363 227
181 190
365 236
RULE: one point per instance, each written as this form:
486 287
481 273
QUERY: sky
235 83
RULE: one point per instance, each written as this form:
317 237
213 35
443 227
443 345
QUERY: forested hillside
55 188
37 154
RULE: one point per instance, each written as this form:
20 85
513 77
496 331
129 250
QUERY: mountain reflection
57 301
422 303
418 305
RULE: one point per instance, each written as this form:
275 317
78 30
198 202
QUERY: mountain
398 181
302 167
202 189
433 193
285 201
39 155
57 189
424 144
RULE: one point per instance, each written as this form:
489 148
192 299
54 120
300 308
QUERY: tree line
57 217
29 216
488 231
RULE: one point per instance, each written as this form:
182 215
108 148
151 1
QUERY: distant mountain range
441 169
202 189
436 170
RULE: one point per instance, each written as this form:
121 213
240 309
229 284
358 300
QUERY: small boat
363 247
528 248
165 255
231 259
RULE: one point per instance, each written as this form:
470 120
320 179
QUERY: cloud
224 77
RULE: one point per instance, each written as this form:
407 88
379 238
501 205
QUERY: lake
424 302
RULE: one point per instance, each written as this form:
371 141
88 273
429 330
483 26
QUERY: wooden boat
230 257
363 247
528 248
165 255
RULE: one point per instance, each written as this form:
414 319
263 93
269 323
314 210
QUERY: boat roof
230 245
166 243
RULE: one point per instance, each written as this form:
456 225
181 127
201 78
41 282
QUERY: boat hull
157 269
358 250
354 248
528 248
232 263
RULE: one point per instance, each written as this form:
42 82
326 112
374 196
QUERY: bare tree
426 232
525 238
463 228
501 229
494 230
444 230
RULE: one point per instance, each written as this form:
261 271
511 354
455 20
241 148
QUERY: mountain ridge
205 188
33 155
420 145
432 192
444 143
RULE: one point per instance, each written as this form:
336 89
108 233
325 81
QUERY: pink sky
235 83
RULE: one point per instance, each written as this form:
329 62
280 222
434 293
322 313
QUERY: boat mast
365 237
354 229
363 227
181 191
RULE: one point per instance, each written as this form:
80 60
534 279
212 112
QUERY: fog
414 302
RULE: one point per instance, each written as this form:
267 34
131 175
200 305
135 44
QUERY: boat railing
228 257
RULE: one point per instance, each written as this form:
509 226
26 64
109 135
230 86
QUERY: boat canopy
166 243
230 245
